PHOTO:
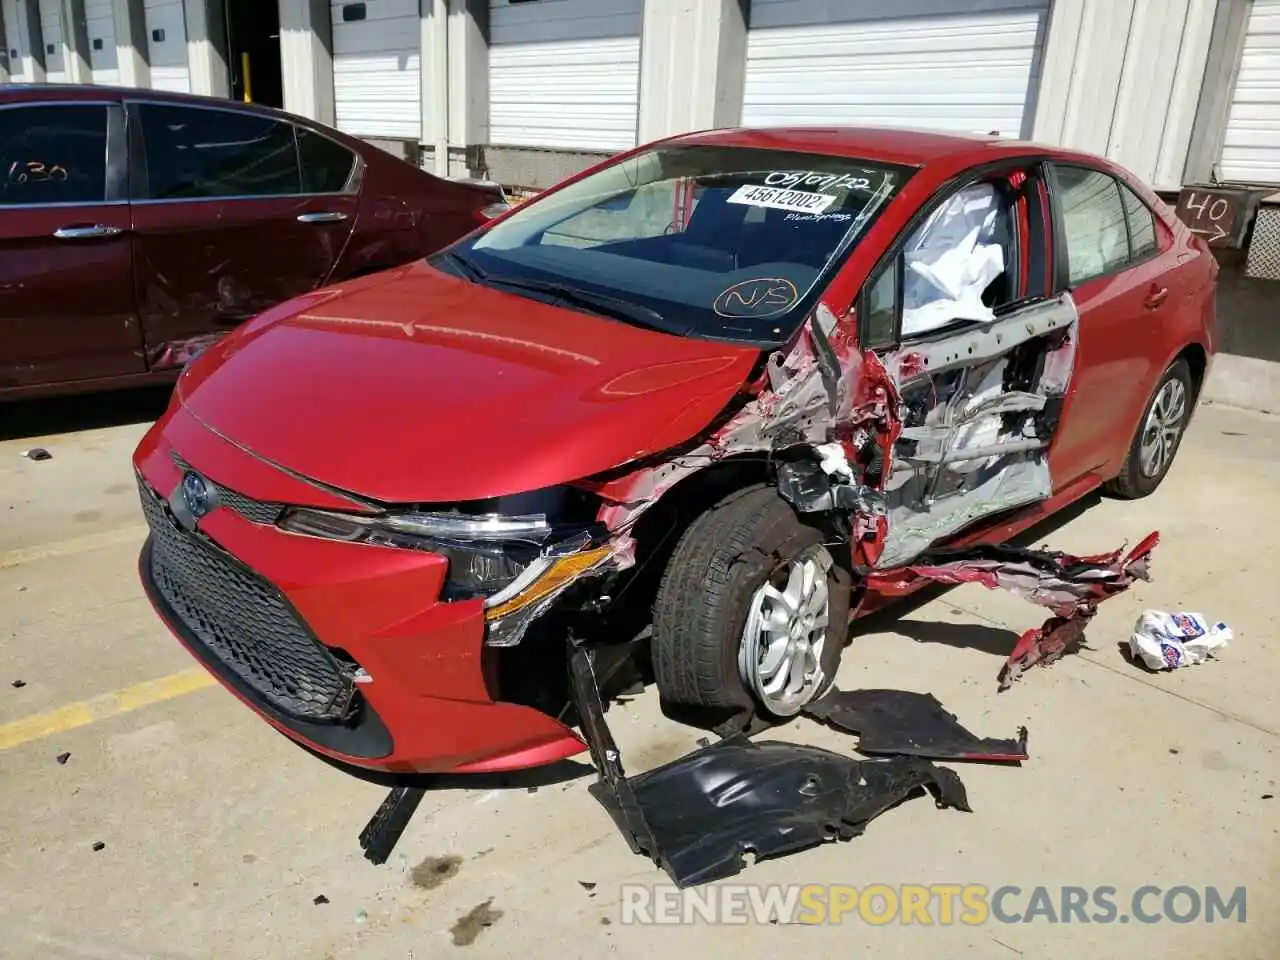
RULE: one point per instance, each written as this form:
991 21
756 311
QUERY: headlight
511 561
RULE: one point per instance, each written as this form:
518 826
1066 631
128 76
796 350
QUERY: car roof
64 92
893 145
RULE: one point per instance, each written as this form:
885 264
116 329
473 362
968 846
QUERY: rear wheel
752 610
1156 443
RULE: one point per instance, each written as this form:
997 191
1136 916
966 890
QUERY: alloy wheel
780 655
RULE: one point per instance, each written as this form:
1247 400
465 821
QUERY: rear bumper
423 704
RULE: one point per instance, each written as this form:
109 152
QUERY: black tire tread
694 587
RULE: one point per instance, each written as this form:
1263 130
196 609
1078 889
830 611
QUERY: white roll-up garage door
911 63
55 64
15 32
101 24
564 73
1251 151
167 45
377 68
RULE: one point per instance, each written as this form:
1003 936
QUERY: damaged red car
720 394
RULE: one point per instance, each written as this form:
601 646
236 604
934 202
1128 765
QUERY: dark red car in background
136 226
731 386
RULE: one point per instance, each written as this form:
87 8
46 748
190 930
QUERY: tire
1136 479
707 592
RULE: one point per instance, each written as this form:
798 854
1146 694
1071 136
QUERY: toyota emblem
197 495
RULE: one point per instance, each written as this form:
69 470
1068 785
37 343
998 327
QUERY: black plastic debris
38 453
707 809
386 826
903 723
320 900
62 758
697 816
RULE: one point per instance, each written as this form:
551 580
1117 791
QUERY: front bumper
341 646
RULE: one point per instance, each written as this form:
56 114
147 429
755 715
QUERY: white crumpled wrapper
1166 641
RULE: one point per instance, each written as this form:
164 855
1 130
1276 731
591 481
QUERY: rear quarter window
326 165
1142 224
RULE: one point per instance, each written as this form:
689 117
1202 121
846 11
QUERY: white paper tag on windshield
777 198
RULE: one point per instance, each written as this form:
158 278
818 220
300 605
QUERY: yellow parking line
107 705
64 548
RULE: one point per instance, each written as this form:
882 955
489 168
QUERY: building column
693 57
207 48
4 50
33 65
75 42
133 59
434 71
306 58
468 126
1209 130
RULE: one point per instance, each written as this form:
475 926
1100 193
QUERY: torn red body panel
1071 587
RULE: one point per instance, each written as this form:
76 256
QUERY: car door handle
1156 298
327 217
91 232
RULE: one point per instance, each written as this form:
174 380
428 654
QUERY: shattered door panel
979 412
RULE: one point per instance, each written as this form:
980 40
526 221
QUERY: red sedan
136 227
723 386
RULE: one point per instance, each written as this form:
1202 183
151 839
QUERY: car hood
413 386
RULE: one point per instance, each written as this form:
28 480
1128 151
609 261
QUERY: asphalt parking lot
220 838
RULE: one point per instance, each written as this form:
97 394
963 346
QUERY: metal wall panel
167 45
55 63
1251 150
564 73
101 22
1123 78
377 68
971 72
16 33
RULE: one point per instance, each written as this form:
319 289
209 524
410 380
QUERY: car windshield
722 243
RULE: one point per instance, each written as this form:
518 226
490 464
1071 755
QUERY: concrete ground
218 835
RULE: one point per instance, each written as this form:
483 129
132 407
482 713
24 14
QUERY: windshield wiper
596 302
466 265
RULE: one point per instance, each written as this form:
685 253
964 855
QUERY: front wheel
752 610
1156 443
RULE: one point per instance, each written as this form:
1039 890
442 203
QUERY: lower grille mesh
245 622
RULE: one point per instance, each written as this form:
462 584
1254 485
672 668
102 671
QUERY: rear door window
1094 223
326 165
194 153
53 154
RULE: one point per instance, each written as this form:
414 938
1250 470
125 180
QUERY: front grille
255 511
245 622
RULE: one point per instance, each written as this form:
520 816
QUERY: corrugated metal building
527 91
1179 90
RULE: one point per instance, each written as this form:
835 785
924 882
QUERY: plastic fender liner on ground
902 723
697 816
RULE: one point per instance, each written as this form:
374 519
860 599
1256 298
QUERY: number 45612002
33 171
